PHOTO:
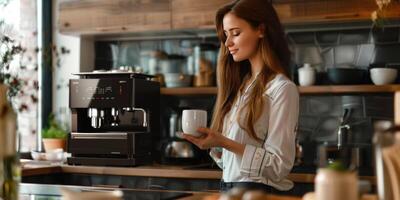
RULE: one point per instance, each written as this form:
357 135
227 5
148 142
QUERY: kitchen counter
199 182
56 191
46 191
310 196
29 191
165 171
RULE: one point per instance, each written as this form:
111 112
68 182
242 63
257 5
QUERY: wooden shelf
189 91
348 89
309 90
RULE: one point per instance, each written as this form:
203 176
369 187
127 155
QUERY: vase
51 144
10 172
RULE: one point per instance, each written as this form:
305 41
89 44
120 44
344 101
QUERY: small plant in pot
54 136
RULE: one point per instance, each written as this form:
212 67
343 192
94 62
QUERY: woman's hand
211 139
208 139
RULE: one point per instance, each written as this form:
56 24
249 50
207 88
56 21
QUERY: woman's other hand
208 139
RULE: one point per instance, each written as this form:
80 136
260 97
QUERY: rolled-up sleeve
274 160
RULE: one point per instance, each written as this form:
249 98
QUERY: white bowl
55 155
382 76
38 155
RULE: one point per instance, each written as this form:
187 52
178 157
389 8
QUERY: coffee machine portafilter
114 120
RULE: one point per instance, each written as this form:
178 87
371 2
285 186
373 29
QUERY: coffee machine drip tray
110 149
121 162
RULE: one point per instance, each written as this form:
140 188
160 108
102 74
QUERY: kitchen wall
79 58
112 54
358 47
20 25
323 48
320 115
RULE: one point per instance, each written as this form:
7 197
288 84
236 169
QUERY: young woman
252 136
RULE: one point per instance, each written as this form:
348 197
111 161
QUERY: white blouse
268 161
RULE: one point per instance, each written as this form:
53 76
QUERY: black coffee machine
115 118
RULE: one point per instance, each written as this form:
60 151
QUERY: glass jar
331 184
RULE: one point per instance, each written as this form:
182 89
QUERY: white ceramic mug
192 120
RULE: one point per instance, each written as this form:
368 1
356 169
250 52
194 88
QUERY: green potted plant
54 136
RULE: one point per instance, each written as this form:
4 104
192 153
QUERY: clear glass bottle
10 172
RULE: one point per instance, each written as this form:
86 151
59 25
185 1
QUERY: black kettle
175 149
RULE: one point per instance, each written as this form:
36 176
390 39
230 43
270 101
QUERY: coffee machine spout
144 116
96 116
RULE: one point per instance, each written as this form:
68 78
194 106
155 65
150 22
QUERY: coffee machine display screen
99 93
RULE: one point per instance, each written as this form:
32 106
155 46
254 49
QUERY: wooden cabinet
91 17
190 14
322 11
84 17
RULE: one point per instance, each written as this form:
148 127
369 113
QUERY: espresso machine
114 119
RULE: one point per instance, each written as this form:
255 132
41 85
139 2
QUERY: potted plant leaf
54 136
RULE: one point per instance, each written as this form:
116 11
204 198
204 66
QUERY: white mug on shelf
192 120
306 75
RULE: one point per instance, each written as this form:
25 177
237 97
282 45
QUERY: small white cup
192 120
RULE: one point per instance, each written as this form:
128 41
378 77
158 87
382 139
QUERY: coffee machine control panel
100 93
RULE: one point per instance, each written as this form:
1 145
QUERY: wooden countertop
165 171
49 190
216 197
308 196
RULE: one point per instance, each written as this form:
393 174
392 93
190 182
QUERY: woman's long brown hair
232 75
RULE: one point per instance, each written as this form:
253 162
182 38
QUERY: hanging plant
9 50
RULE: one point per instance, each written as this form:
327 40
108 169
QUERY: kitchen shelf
189 91
349 89
309 90
323 89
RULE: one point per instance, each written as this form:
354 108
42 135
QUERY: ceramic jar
306 75
333 185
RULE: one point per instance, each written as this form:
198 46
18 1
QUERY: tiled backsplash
359 47
319 115
112 54
322 49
